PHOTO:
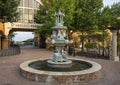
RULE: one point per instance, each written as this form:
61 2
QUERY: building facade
26 22
27 10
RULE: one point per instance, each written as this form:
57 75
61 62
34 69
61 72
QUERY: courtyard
91 27
10 73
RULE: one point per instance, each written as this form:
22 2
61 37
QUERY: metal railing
13 50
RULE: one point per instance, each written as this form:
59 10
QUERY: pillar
5 42
0 42
114 46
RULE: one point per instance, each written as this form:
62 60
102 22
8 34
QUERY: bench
92 54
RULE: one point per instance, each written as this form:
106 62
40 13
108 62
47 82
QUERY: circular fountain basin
38 70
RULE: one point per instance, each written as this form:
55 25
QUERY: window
21 2
26 3
31 3
27 10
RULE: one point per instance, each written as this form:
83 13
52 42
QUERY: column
0 42
23 12
114 46
5 42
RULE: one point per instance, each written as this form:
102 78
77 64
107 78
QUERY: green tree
46 15
108 18
29 41
12 35
1 4
115 10
85 17
8 10
105 17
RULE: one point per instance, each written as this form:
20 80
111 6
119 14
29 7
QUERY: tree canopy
115 9
86 16
47 11
8 10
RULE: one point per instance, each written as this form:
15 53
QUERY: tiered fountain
59 40
60 69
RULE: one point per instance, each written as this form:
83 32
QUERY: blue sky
110 2
26 35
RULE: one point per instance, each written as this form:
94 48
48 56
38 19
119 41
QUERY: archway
12 27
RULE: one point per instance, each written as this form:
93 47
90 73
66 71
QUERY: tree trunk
42 42
103 42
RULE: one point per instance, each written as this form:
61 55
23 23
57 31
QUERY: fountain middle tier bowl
80 71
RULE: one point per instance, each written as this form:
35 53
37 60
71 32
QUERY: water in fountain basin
76 66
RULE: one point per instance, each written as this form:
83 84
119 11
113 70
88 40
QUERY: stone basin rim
25 67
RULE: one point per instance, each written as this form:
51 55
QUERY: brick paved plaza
10 75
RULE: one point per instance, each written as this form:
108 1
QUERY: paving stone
10 72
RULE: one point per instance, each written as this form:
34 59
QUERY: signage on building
26 25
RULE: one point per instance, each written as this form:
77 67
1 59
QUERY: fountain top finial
59 14
59 18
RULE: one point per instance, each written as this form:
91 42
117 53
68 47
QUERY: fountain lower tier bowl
52 64
79 71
